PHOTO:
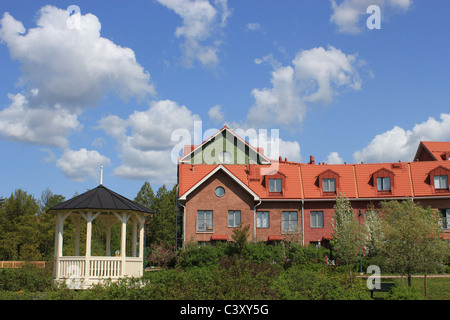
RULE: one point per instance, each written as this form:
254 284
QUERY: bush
194 255
299 284
29 278
404 292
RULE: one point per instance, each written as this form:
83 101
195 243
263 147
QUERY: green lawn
437 288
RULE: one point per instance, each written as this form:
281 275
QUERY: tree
161 227
47 222
412 240
345 240
18 225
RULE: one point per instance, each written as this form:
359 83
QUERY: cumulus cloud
67 68
216 114
201 20
47 126
348 14
144 139
401 144
334 158
82 164
316 75
72 66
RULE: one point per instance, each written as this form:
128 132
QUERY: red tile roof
410 179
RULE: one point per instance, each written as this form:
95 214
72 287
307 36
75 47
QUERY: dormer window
441 182
274 185
383 181
329 185
438 179
384 184
328 182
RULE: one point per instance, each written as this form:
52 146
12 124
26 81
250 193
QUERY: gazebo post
141 236
76 221
60 217
108 225
134 237
89 218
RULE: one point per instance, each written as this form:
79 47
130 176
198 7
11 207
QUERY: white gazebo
109 207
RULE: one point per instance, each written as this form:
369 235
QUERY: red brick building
225 183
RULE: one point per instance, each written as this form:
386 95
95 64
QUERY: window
329 185
220 191
445 218
316 219
262 219
205 221
441 182
234 218
274 185
289 221
384 184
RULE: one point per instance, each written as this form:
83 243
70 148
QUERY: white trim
220 167
183 160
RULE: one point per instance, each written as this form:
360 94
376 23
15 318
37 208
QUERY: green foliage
161 228
29 278
403 292
163 256
412 239
299 284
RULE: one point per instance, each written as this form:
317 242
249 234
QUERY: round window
220 191
225 157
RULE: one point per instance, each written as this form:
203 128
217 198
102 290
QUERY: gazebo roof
100 198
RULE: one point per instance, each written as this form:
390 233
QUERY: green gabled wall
240 151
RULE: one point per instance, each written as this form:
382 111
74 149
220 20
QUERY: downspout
303 224
254 220
184 223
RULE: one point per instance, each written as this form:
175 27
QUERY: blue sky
110 84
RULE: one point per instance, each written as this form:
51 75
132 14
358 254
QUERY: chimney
311 160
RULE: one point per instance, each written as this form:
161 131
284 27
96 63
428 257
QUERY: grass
437 288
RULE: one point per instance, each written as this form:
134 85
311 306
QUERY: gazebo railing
99 267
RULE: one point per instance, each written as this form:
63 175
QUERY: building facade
225 183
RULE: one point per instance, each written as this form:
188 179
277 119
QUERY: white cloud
216 114
253 26
334 158
144 139
400 144
325 70
316 75
67 68
42 126
82 164
348 14
201 20
73 67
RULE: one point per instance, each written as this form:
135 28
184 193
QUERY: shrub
404 292
29 278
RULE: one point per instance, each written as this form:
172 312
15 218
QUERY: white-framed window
441 182
234 218
289 221
262 219
274 185
205 221
384 184
329 184
316 219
